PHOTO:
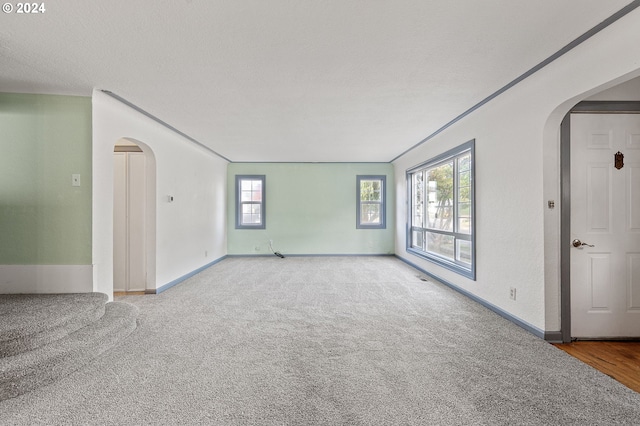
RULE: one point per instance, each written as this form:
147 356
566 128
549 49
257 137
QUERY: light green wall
44 139
311 209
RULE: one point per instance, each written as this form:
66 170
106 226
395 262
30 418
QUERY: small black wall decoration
618 160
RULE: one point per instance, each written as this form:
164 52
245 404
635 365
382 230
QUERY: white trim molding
21 279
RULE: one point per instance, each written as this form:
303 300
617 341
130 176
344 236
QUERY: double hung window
250 202
371 196
441 210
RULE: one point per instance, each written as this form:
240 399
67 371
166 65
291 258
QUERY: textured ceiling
291 80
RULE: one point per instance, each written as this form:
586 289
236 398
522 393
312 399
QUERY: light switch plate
75 179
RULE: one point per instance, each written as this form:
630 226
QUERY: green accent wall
310 209
44 220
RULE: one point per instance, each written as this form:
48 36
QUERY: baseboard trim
46 279
504 314
553 336
184 277
315 255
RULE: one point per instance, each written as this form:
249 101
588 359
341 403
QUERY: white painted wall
627 91
517 171
194 223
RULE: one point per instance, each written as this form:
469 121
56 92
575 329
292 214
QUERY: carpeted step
28 321
27 370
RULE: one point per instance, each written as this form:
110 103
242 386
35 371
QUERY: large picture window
372 201
441 211
250 202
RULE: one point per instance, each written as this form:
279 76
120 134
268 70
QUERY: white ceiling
291 80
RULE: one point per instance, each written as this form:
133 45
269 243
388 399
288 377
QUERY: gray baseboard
551 336
184 277
316 255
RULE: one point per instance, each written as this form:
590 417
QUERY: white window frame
421 230
383 202
239 203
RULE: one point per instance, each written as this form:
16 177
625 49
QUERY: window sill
459 269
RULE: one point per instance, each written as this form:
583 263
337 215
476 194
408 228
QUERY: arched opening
134 217
620 97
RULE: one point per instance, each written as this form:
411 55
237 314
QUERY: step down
26 371
28 321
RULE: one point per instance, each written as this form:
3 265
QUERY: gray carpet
326 341
44 337
28 321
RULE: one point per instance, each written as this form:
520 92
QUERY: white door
137 223
605 218
120 237
129 249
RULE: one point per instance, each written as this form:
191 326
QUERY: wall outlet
512 293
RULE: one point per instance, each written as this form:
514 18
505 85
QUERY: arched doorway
133 217
598 292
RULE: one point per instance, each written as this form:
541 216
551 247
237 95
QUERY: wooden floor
620 360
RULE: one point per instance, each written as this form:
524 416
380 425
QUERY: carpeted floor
325 341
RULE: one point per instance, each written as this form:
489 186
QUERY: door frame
151 212
585 107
